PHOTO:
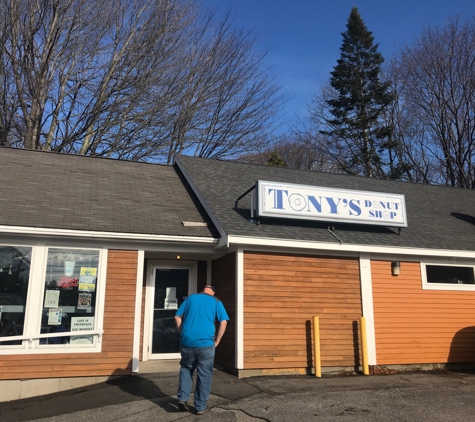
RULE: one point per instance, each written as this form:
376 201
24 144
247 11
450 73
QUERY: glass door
170 289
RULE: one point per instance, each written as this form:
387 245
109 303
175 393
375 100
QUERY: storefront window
69 302
14 279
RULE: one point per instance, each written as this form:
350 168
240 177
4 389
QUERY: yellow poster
87 279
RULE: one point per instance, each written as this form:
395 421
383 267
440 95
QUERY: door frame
152 266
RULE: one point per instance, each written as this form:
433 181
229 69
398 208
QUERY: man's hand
221 330
178 322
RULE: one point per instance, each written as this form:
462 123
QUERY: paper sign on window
87 279
82 324
85 301
54 316
51 298
170 299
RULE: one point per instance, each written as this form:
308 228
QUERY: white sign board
287 200
82 324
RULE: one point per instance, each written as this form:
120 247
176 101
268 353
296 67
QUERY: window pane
69 302
449 275
14 278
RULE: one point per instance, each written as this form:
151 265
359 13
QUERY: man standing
195 320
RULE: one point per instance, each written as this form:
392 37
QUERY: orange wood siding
117 341
282 294
223 275
415 326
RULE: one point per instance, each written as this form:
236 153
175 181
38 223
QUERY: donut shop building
97 254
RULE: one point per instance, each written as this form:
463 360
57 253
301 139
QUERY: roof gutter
340 247
35 231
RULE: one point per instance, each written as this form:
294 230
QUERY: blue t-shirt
199 313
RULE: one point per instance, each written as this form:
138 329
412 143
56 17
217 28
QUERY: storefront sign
82 324
286 200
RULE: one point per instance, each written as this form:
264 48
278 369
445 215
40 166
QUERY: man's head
209 289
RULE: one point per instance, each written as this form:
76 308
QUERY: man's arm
178 322
219 334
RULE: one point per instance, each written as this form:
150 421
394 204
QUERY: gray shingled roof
61 191
438 217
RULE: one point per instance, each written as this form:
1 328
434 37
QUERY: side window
454 276
14 279
69 301
449 274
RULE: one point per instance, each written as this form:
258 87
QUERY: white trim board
368 307
138 311
239 309
242 241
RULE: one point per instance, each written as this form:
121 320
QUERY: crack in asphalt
248 414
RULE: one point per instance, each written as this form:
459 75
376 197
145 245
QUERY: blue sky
304 36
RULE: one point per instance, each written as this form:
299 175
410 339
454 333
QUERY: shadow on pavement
118 390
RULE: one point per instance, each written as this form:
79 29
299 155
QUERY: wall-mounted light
395 268
178 257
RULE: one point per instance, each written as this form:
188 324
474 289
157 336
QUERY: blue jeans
201 359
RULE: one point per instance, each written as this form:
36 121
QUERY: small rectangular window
448 274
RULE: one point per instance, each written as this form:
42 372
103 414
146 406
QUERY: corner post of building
239 309
138 310
367 308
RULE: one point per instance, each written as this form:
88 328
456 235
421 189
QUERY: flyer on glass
87 279
51 299
82 324
85 301
54 316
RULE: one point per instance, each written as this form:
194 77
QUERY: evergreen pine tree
275 160
355 126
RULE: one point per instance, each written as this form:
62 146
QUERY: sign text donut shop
287 200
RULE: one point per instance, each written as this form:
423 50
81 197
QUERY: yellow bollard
316 347
364 346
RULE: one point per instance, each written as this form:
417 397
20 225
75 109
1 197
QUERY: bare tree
409 136
131 79
299 150
437 90
228 101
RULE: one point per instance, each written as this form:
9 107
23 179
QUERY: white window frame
34 308
449 262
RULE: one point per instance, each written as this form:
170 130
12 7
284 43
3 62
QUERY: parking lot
407 396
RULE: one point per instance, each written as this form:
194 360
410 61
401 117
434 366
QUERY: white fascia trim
239 309
104 235
336 247
224 236
138 311
367 306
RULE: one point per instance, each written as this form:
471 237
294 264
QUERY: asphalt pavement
406 396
